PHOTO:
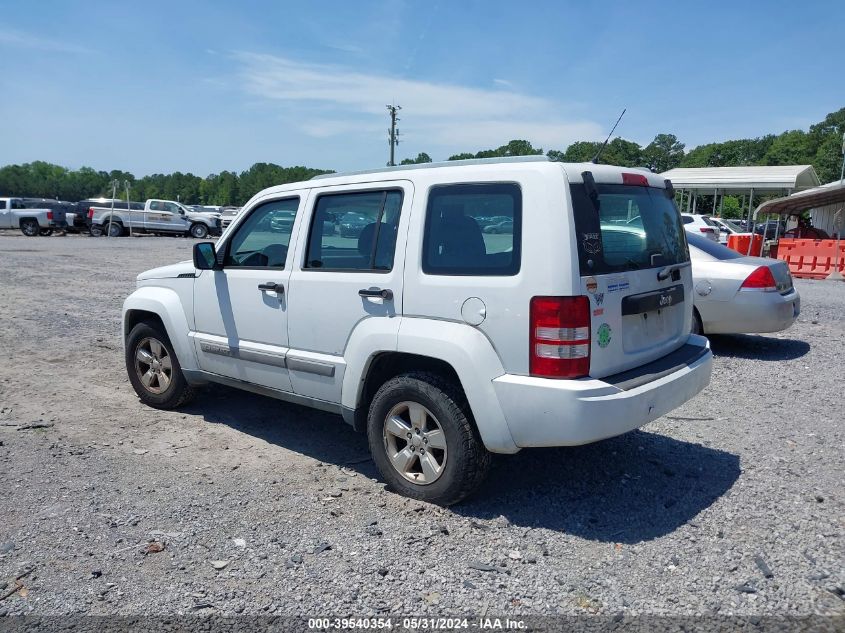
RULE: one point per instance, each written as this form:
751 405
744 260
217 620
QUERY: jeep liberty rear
449 310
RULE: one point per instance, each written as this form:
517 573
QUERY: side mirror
205 257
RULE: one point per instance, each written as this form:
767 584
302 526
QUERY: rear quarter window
473 229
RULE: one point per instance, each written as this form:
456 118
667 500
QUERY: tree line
820 147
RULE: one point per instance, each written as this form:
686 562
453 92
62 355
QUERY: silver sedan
735 294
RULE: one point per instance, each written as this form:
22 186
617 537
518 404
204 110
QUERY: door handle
274 287
376 292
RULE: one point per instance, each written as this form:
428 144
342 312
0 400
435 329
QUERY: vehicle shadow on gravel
322 436
757 347
627 489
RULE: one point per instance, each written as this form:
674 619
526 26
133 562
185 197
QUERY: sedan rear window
626 227
711 248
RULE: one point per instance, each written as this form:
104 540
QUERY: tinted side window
473 229
262 240
354 231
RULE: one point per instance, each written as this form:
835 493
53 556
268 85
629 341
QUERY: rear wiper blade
664 273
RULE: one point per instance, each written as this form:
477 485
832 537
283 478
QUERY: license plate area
652 319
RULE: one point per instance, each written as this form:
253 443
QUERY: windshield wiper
664 273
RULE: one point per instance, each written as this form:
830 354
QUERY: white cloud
442 114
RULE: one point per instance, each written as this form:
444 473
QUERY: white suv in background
701 224
444 342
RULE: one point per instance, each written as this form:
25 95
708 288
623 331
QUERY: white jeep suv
443 341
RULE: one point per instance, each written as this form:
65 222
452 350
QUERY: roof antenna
603 145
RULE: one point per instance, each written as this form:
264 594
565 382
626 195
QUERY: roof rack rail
448 163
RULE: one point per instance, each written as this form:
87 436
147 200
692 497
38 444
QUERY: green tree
422 157
515 147
794 147
665 152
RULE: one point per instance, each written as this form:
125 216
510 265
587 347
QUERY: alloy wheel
153 365
415 443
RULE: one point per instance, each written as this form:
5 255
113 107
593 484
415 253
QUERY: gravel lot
242 504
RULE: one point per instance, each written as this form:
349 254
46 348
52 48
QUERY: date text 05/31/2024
415 624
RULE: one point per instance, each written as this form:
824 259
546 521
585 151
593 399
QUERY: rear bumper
751 313
545 412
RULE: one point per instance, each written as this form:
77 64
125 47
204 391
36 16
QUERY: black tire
466 459
30 228
113 229
697 327
178 392
45 232
199 231
96 230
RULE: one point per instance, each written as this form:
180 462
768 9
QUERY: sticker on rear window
604 334
591 243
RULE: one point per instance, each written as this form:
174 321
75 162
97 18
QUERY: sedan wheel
697 327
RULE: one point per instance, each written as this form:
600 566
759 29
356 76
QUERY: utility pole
393 133
128 208
114 186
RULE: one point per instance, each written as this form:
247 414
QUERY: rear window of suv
625 228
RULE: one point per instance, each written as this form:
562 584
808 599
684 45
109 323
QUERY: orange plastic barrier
739 243
811 259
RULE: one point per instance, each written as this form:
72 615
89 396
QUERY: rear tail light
706 229
760 280
50 215
559 337
91 213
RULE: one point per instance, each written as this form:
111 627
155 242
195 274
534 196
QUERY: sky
201 87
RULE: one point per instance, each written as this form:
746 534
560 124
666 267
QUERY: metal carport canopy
743 179
830 193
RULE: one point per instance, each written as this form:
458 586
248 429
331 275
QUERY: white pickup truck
31 222
156 216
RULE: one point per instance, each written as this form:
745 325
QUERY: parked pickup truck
156 216
31 222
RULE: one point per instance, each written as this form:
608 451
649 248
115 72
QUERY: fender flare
462 346
165 303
